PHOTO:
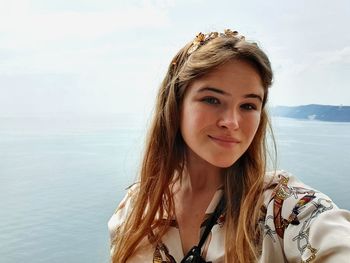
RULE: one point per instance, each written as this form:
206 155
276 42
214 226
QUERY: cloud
337 56
27 29
121 50
319 77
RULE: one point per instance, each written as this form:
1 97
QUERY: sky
101 57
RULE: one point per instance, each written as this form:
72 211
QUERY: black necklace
194 255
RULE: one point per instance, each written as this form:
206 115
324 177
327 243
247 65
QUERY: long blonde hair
164 156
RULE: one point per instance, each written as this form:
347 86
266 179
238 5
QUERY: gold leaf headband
201 38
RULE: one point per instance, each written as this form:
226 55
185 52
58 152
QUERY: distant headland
314 112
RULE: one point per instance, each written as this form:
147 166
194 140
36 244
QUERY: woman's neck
200 176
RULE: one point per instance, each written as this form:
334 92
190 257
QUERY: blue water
318 154
61 178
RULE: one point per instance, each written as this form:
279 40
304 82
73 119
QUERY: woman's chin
223 163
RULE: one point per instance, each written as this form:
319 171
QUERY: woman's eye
248 107
211 100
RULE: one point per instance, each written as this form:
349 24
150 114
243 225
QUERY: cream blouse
299 224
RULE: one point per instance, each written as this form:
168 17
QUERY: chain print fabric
298 224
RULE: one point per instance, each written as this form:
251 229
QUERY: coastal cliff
314 112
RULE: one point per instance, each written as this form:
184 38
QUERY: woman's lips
224 141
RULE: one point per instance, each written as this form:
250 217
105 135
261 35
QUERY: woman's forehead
228 77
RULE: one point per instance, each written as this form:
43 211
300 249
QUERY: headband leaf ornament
201 38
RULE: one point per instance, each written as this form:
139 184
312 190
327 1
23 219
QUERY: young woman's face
220 113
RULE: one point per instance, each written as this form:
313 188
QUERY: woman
204 194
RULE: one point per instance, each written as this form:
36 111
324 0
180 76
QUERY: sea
62 177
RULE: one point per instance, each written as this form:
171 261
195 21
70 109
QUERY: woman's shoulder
292 200
282 177
307 220
283 186
123 209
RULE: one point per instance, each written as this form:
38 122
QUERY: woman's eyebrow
254 96
216 90
213 90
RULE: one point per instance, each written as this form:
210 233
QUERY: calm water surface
61 178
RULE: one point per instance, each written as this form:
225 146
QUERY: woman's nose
230 120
